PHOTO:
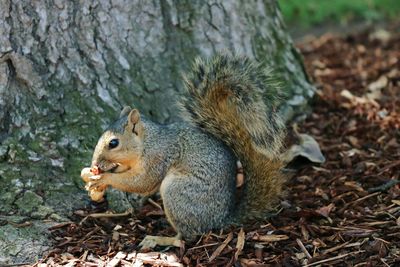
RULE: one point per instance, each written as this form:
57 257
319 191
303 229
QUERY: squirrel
230 113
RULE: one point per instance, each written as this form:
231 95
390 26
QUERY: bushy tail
236 99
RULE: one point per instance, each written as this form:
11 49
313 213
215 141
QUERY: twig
106 215
334 258
344 245
392 165
204 246
84 255
221 247
88 235
303 248
363 198
357 201
155 204
383 261
66 241
384 187
60 225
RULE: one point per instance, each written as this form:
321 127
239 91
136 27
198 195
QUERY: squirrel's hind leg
194 205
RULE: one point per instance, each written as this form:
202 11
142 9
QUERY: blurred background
342 16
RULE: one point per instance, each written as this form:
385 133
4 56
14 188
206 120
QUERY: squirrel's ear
133 120
125 111
134 116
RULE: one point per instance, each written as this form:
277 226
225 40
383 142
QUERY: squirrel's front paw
96 182
89 175
86 173
96 190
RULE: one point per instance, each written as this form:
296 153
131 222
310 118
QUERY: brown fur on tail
235 99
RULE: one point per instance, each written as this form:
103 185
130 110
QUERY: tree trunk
68 67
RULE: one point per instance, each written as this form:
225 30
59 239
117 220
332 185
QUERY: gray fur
203 171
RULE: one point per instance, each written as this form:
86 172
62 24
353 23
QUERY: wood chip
239 244
270 238
116 260
221 247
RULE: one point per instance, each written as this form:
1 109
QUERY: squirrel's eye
113 143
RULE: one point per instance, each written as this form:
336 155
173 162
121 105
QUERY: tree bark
68 67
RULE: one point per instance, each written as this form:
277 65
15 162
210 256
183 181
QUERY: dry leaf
240 243
116 260
378 84
324 211
307 148
395 201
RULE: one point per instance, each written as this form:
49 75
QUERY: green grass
308 13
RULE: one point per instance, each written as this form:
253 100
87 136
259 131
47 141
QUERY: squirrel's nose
95 170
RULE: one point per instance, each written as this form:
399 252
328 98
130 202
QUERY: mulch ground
345 212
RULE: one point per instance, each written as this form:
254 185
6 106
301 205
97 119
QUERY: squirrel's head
120 147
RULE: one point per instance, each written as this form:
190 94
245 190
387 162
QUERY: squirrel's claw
95 177
90 186
96 181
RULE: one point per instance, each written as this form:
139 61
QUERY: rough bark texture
68 67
